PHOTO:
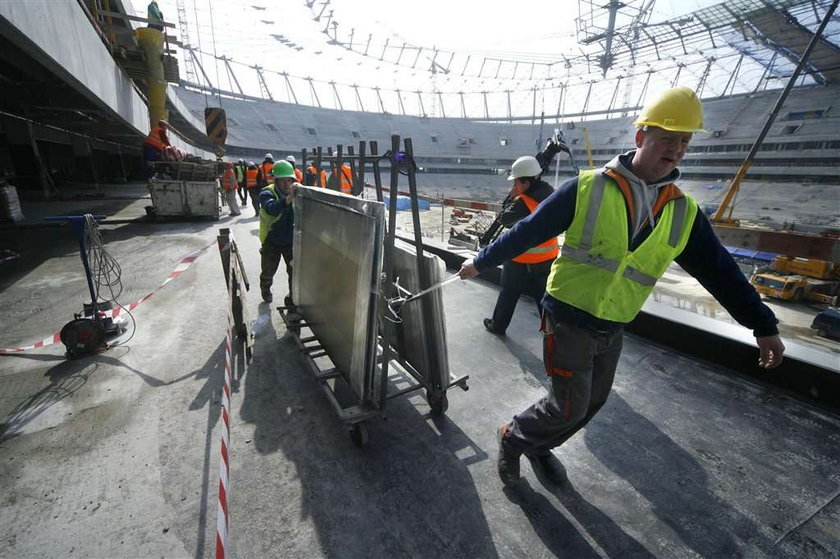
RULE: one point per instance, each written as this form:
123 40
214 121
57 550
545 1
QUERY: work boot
508 462
491 327
549 467
290 305
266 296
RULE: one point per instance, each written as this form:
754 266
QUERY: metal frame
371 391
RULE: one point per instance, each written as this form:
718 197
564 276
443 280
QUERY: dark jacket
281 232
513 212
703 257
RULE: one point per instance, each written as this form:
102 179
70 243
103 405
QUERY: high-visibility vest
265 168
542 252
596 271
229 180
266 219
314 173
298 175
240 174
346 179
157 138
251 178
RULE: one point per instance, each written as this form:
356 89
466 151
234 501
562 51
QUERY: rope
215 56
198 35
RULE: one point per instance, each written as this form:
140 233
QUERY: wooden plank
125 17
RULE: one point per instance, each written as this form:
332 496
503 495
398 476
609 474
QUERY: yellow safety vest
266 219
595 271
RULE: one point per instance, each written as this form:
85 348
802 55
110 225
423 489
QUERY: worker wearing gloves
276 228
230 186
298 174
527 272
625 223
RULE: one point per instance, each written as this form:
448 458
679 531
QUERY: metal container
173 198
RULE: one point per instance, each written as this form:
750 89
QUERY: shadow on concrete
528 362
65 378
408 493
674 484
210 395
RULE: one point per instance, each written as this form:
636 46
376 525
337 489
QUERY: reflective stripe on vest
542 252
265 168
229 180
266 219
155 138
595 271
346 179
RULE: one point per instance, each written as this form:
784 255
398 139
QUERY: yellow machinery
152 42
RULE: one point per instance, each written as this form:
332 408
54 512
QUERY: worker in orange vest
314 177
230 187
154 144
346 179
264 175
293 162
251 187
528 272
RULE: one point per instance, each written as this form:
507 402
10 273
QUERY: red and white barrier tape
454 202
223 512
183 264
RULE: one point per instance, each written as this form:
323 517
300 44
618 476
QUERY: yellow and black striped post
216 123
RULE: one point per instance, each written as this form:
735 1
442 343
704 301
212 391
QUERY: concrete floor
117 454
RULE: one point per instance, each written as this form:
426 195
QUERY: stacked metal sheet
420 339
335 281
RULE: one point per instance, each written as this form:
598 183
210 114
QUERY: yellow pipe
152 42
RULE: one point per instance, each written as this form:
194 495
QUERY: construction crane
723 215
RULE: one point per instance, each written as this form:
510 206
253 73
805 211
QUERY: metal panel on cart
202 198
167 196
337 265
418 327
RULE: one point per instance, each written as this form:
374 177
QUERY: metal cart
346 269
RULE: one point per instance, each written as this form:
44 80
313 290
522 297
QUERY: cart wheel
359 434
437 401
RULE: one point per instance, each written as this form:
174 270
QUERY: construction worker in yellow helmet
624 224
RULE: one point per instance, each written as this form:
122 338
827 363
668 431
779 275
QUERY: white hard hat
269 156
291 159
525 166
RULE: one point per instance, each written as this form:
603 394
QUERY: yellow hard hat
678 110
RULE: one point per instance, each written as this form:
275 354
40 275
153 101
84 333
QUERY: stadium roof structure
739 46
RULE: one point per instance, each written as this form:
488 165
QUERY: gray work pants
580 364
